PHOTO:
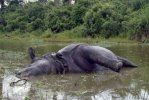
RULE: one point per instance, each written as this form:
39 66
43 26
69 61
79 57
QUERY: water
129 84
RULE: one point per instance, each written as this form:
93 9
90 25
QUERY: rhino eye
18 74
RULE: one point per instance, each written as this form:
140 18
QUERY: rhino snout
22 74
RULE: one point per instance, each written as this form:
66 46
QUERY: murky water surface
129 84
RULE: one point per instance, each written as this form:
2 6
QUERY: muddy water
129 84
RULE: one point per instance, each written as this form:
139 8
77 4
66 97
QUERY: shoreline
65 39
55 38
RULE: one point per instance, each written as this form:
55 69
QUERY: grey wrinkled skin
79 58
38 67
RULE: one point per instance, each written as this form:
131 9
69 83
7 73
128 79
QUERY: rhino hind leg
126 63
113 64
99 56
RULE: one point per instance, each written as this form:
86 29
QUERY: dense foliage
95 17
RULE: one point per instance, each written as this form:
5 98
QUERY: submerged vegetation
86 18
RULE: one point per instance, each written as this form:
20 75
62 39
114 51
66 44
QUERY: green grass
63 37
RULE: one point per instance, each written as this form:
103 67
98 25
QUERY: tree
2 3
2 6
66 1
57 2
43 1
15 2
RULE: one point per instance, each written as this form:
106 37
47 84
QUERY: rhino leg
103 57
113 64
126 63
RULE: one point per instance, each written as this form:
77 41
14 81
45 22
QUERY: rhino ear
31 53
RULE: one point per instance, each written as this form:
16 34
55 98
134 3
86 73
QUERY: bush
60 20
22 26
94 17
38 24
110 28
102 19
1 28
12 26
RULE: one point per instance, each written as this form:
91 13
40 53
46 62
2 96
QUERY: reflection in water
129 84
110 95
75 87
16 92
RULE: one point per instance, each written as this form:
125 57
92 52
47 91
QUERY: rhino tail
127 63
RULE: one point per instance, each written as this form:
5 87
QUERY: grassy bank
63 37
